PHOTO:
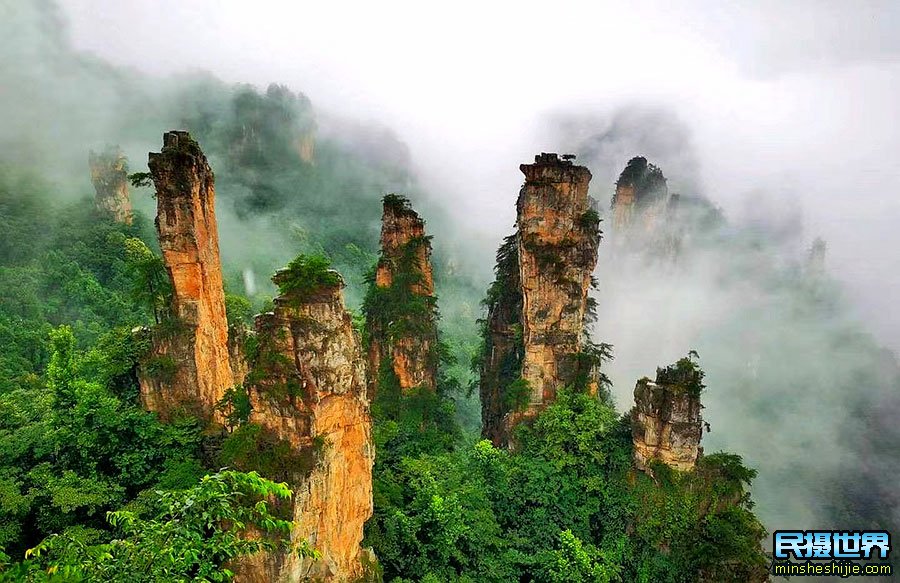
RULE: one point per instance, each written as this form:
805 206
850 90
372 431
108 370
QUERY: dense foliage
647 179
305 275
566 506
194 534
99 488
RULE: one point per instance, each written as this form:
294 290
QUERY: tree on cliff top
647 179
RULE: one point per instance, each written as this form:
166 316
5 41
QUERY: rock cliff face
558 244
305 378
109 174
190 350
537 305
400 309
666 421
307 387
305 144
641 199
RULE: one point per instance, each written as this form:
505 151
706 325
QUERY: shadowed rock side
307 387
191 347
401 316
641 200
109 174
538 301
666 421
503 351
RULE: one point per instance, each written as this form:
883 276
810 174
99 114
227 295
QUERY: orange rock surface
308 387
536 314
195 341
557 255
404 246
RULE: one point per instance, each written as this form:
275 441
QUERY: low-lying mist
796 384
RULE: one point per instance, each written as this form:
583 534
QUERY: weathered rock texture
538 303
193 344
557 253
109 174
641 199
401 316
307 387
666 421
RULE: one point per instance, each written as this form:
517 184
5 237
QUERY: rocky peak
402 231
641 197
307 387
538 303
558 241
109 174
666 420
192 347
400 307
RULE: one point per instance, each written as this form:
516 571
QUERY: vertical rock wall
307 386
503 350
192 346
403 278
557 254
641 201
109 174
538 302
306 378
666 421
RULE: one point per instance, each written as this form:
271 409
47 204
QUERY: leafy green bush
251 447
306 275
193 534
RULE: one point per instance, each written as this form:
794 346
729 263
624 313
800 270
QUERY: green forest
95 488
83 464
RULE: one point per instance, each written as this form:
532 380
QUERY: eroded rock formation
666 420
295 385
400 308
189 369
558 242
109 174
641 199
307 387
537 305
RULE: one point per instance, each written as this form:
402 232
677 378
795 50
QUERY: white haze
797 100
783 114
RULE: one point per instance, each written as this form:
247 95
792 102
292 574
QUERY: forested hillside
387 415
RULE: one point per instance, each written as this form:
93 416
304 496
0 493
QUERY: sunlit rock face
193 344
307 387
109 174
537 305
557 254
666 421
407 341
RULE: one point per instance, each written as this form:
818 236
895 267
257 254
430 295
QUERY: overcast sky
797 100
